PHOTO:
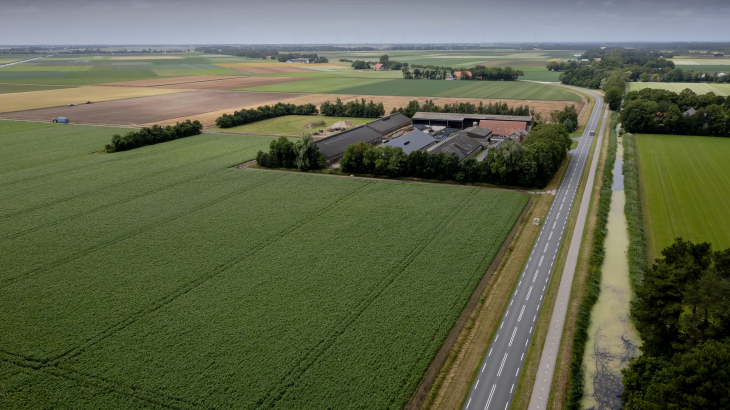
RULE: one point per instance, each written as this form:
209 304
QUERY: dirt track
154 109
156 82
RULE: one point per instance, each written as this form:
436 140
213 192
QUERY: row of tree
666 112
478 72
682 313
466 108
264 112
352 109
302 154
529 164
153 135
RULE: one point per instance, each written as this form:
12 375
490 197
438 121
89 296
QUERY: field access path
499 372
18 62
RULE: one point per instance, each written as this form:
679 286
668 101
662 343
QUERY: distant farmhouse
299 60
378 67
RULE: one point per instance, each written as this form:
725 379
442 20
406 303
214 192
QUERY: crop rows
161 277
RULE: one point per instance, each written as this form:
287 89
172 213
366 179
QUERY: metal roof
459 144
388 124
413 141
443 116
478 132
337 144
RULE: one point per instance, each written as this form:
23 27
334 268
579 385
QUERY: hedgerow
263 112
153 135
637 253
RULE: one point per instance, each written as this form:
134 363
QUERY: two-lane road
499 372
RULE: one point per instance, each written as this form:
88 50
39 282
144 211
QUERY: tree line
666 112
682 313
531 163
568 117
478 72
352 109
465 108
302 154
153 135
264 112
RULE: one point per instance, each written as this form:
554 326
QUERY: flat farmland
235 83
167 279
293 124
699 88
53 98
686 188
21 88
149 109
157 82
429 88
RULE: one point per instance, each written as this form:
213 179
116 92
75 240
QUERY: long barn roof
337 144
443 116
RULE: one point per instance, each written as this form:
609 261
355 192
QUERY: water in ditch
612 338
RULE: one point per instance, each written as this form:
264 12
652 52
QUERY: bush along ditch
153 135
595 262
262 113
303 154
637 253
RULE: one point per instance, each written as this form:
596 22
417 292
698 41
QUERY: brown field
156 82
234 83
543 107
514 63
151 57
270 70
135 111
32 100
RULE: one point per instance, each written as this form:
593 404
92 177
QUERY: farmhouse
299 60
413 141
378 67
334 146
691 111
460 144
461 74
462 121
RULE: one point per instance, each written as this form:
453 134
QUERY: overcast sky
362 21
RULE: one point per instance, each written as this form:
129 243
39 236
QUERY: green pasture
427 88
699 88
686 189
21 88
294 124
162 278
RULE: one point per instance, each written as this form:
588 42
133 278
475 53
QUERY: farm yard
686 188
699 88
167 263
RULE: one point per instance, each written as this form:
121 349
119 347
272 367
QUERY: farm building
462 121
378 67
371 133
460 144
413 141
691 111
479 133
298 60
460 74
503 127
334 146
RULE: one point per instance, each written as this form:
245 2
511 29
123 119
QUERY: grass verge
638 245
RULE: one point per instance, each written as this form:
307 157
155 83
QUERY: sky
190 22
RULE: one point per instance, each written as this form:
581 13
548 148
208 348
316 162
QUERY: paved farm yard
686 186
160 277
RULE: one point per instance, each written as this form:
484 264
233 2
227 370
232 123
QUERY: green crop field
160 277
699 88
428 88
293 124
686 186
21 88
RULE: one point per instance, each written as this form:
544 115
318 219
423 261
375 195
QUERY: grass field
21 88
159 277
686 187
55 98
428 88
699 88
293 124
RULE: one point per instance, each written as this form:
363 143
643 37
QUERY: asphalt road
18 62
500 369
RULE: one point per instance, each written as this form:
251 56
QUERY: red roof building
378 67
457 74
503 127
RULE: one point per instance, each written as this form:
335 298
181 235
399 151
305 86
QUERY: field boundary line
313 356
419 395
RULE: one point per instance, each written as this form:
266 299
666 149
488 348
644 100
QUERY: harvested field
145 58
542 107
235 83
514 63
150 109
156 82
54 98
271 70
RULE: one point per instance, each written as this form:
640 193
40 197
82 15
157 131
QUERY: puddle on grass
612 338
